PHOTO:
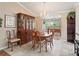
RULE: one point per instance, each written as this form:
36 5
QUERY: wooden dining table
45 36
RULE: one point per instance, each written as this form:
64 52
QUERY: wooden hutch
25 25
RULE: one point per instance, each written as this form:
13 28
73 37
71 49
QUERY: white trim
26 8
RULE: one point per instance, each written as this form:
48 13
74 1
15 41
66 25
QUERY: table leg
46 46
33 44
20 43
40 46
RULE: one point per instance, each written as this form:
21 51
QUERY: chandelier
43 13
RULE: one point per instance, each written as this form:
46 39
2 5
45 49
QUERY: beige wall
9 9
38 24
64 24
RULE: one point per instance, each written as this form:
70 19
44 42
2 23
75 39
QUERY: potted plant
0 22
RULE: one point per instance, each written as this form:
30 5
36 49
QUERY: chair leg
34 43
8 44
11 46
74 48
46 46
40 46
20 43
77 52
50 45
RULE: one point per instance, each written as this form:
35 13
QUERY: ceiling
51 8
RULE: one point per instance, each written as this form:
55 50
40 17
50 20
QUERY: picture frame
10 21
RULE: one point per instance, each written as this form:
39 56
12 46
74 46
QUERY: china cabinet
25 25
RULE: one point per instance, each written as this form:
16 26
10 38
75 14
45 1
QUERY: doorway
71 27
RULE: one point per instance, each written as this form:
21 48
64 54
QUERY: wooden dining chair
40 41
50 40
76 47
12 39
8 34
33 39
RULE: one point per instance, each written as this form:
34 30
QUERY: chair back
33 34
38 36
13 34
8 34
52 35
37 33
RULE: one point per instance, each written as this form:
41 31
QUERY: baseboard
3 48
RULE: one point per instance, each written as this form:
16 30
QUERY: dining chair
40 40
11 36
76 47
8 34
50 40
33 39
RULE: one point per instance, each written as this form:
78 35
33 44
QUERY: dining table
45 36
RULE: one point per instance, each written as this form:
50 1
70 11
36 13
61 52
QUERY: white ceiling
50 7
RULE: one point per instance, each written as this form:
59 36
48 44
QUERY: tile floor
61 48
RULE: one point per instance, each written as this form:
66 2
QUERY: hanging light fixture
44 11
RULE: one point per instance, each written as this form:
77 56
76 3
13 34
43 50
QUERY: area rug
3 53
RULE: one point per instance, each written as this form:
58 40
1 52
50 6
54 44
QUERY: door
71 27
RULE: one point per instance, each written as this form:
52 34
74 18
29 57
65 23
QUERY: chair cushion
14 40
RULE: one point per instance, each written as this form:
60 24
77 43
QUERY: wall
64 23
39 23
64 26
8 9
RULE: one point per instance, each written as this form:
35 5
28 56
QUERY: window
53 24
